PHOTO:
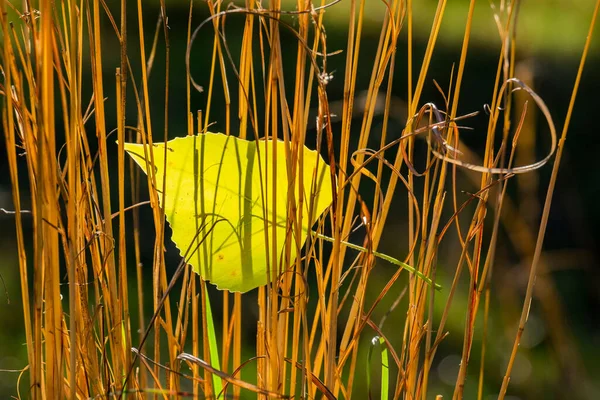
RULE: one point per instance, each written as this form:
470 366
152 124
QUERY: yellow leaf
221 187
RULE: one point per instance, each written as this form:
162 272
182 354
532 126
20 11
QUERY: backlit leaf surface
226 183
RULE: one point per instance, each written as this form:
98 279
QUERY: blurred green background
559 353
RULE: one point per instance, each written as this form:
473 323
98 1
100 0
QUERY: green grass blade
212 343
382 256
385 370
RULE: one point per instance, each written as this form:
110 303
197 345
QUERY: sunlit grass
84 278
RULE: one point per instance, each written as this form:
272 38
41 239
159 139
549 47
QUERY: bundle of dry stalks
314 320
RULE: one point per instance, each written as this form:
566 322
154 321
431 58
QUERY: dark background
550 40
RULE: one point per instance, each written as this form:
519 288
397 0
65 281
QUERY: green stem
382 256
212 343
